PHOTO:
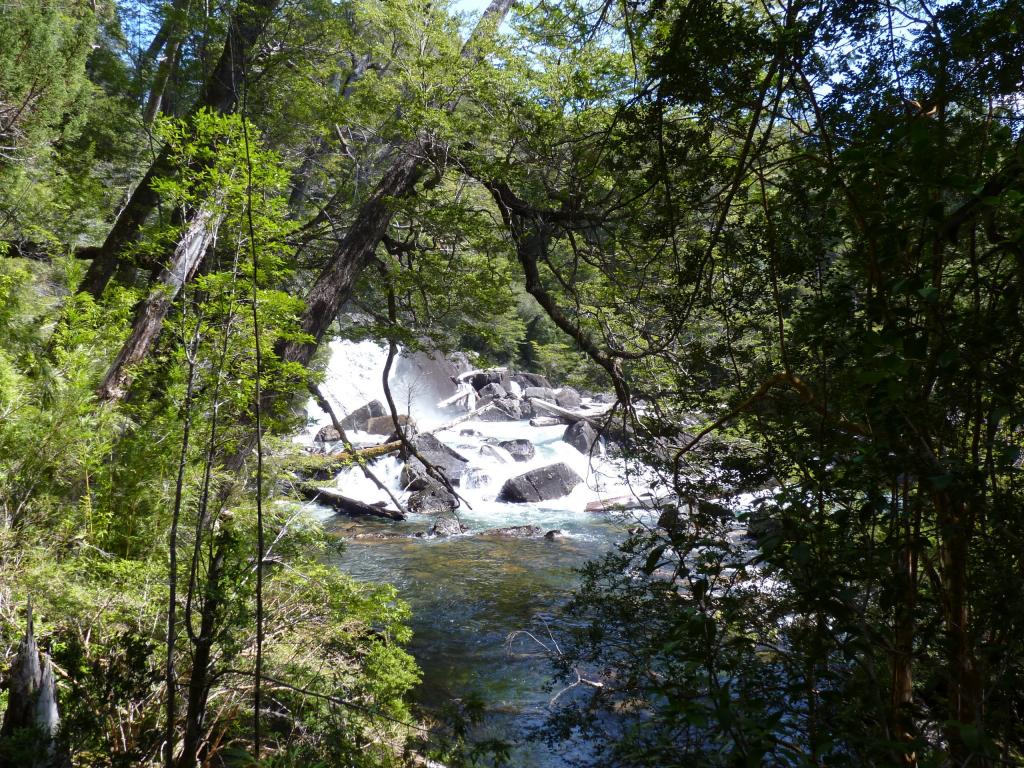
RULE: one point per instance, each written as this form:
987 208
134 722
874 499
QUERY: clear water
469 593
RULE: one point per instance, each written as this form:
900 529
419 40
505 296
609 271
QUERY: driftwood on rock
330 497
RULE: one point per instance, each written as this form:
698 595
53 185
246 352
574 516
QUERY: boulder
526 380
541 484
513 532
470 433
521 449
327 434
409 430
431 501
446 525
385 425
543 393
414 474
426 377
506 409
580 436
491 392
496 452
605 398
360 416
483 378
555 534
567 397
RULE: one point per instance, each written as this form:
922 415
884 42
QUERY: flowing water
468 593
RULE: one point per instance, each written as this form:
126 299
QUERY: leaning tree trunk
199 235
334 285
220 94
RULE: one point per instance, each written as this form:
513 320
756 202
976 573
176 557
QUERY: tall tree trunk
202 653
964 698
199 235
220 94
901 659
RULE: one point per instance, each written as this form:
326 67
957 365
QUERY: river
469 593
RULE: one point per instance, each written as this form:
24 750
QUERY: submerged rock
541 484
447 525
555 534
581 436
474 477
521 449
513 532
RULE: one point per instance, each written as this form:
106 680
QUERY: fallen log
616 504
571 416
332 498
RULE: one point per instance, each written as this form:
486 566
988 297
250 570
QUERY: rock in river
580 436
521 448
360 416
431 501
327 434
541 484
513 532
447 526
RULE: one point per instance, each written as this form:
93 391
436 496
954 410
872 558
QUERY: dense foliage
788 235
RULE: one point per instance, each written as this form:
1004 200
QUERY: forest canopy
788 236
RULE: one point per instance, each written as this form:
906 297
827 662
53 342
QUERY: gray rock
431 501
385 425
415 477
542 393
567 397
555 534
525 380
426 377
447 525
360 416
492 391
482 379
580 436
506 409
541 484
521 449
327 435
513 532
